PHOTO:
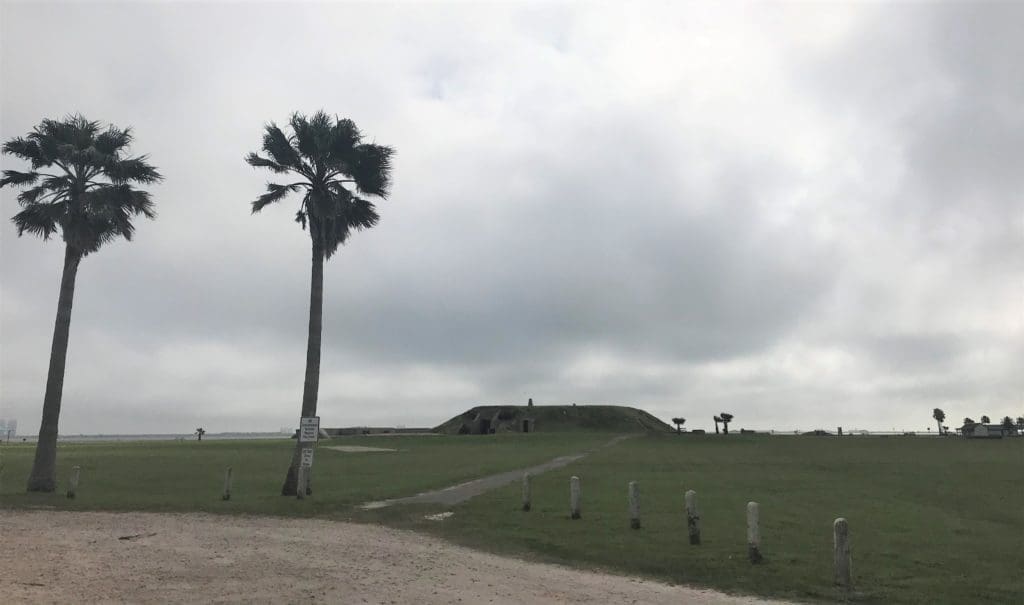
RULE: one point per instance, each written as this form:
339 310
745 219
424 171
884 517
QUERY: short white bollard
634 505
692 517
574 497
843 564
227 485
753 532
73 482
526 492
300 483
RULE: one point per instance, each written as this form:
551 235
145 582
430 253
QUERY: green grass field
188 476
931 520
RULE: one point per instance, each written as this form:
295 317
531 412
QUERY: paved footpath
456 494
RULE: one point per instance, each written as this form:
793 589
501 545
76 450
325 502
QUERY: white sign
307 457
309 429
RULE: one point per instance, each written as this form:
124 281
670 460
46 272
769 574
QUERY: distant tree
969 420
679 422
717 420
200 432
985 420
87 195
1020 423
335 172
939 416
1007 423
726 419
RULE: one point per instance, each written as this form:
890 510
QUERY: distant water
153 437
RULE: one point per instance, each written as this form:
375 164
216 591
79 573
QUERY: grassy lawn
188 476
931 520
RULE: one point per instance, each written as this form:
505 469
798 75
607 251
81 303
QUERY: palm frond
40 194
258 161
113 140
345 138
13 177
39 219
25 149
279 147
275 193
132 170
371 168
108 199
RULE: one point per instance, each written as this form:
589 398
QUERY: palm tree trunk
716 427
312 384
939 422
44 469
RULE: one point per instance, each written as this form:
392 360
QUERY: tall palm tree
679 422
939 416
81 186
726 418
332 168
717 420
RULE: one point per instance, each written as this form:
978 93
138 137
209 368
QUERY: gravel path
62 557
450 496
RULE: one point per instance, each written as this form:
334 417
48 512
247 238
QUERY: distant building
977 430
8 429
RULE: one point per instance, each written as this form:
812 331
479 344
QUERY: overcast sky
807 216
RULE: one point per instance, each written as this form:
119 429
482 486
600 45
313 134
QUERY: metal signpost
309 432
309 429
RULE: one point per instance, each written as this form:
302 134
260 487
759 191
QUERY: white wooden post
753 532
843 564
692 517
300 483
73 482
227 485
574 497
634 505
526 491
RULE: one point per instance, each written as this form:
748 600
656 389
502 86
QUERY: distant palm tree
333 168
717 420
199 433
87 196
679 422
939 416
985 420
1007 423
726 419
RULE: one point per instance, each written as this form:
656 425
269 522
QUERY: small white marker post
574 497
753 532
843 564
634 505
526 492
227 485
73 482
692 517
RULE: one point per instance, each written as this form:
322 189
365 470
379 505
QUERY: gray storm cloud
803 217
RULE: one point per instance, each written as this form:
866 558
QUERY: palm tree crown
335 167
87 194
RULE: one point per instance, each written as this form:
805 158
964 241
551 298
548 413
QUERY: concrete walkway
456 494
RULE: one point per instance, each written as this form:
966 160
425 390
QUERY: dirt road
50 557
